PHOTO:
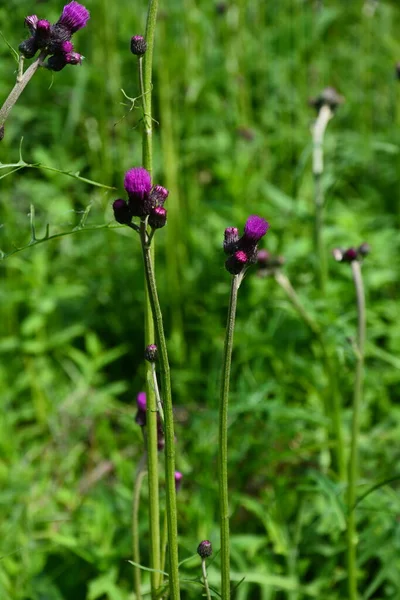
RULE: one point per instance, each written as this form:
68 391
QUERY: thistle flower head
231 238
204 549
151 353
31 23
158 217
137 182
159 194
236 262
255 228
74 17
122 213
73 58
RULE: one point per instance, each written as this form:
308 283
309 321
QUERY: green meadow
232 137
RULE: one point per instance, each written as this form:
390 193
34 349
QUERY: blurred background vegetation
232 138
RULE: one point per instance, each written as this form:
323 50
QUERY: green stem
334 408
318 132
223 440
205 578
21 83
140 475
355 429
145 65
168 419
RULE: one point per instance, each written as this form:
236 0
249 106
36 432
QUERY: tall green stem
140 474
205 578
168 419
355 429
318 132
145 83
223 441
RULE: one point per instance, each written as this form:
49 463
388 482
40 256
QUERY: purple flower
137 182
74 16
204 549
255 229
31 23
159 194
141 401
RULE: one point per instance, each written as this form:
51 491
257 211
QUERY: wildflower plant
51 41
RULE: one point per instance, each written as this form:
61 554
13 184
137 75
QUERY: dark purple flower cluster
56 39
243 250
352 253
141 419
144 200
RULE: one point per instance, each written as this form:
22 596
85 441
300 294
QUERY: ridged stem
355 430
223 441
140 475
145 65
168 420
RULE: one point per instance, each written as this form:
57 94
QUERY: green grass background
232 138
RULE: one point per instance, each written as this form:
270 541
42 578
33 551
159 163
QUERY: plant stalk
168 419
140 475
355 430
205 578
325 114
223 440
22 81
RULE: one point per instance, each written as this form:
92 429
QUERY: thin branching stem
205 578
355 430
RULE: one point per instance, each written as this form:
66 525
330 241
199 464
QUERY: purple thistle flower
178 480
31 23
255 228
42 34
73 58
74 16
66 47
137 183
158 217
141 401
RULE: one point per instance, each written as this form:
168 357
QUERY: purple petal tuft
74 16
255 228
141 401
137 182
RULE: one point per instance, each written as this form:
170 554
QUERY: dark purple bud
263 258
141 409
122 213
138 45
31 23
29 47
350 255
236 263
151 353
74 16
73 58
158 217
231 238
328 97
178 480
158 195
66 47
42 34
1 132
204 549
137 183
364 249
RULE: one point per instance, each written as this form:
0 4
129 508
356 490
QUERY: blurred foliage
232 137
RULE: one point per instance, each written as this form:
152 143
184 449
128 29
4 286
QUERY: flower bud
42 34
122 213
151 353
159 194
158 217
204 549
231 238
138 45
236 263
29 47
31 23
